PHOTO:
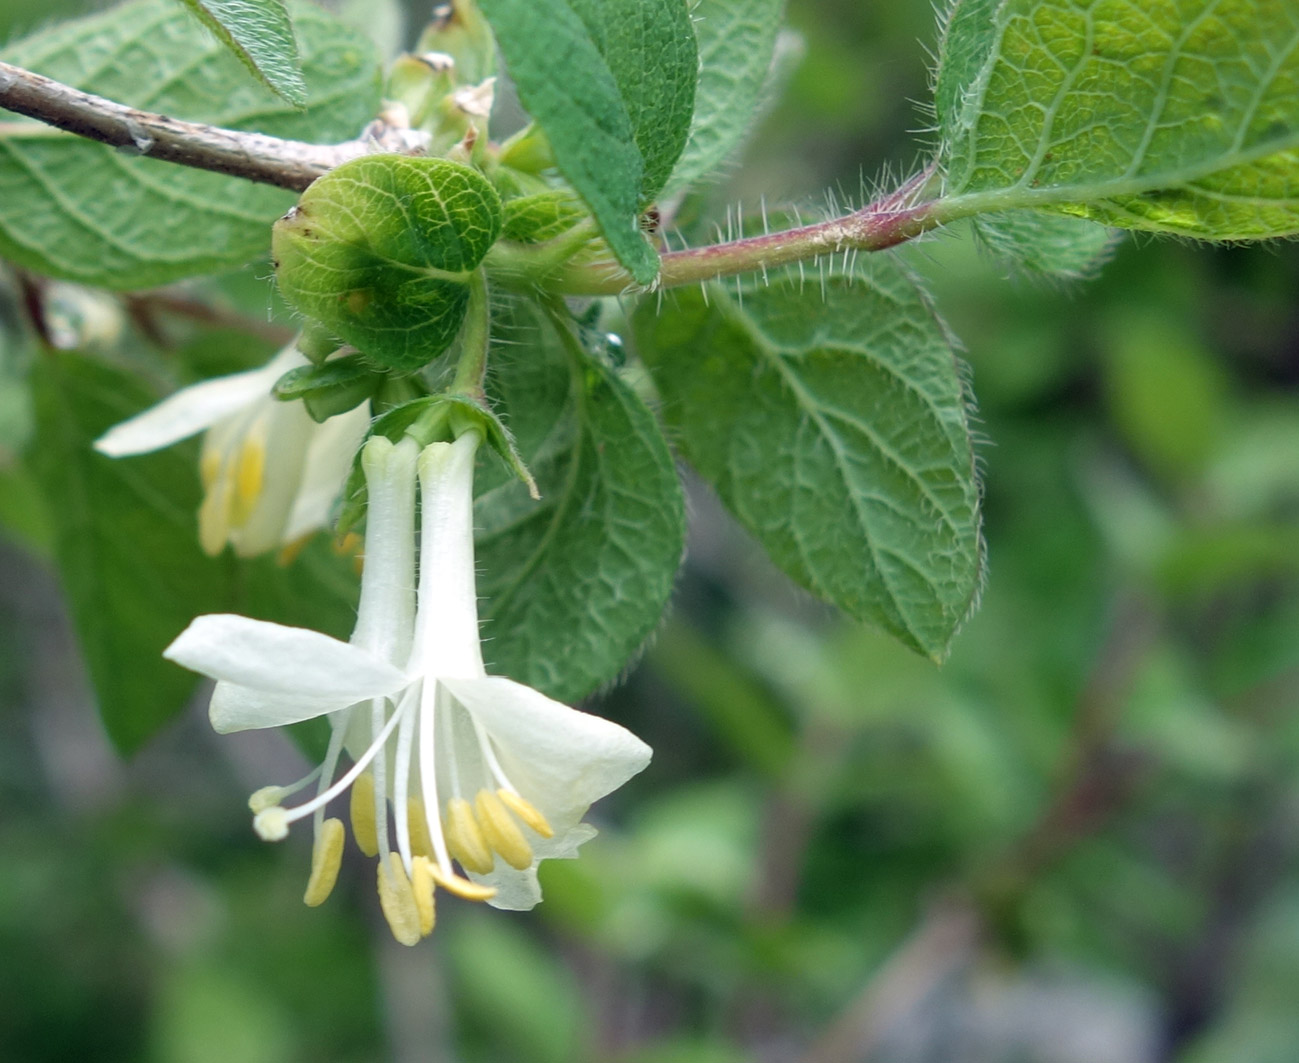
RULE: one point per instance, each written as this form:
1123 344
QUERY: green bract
380 251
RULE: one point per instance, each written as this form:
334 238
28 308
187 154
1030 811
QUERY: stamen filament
344 781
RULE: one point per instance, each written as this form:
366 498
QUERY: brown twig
291 164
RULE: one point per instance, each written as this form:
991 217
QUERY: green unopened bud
459 30
380 250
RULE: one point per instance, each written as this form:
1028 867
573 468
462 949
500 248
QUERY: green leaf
737 40
651 50
126 542
1179 117
380 251
566 85
83 211
831 418
574 584
1051 244
260 33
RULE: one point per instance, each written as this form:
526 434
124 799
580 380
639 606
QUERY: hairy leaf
651 50
568 87
831 417
1179 117
260 34
380 251
126 542
1052 244
737 40
80 210
572 585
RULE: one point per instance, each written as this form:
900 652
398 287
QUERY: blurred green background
1074 843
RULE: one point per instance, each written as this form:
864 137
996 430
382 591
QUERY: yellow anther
289 551
526 811
272 824
209 467
351 543
250 474
397 900
421 844
501 832
363 829
214 516
461 887
265 798
326 856
465 838
421 884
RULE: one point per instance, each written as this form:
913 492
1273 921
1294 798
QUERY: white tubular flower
270 473
449 763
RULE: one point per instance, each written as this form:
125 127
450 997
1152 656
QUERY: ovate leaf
651 50
831 418
260 34
572 585
126 542
568 87
737 40
380 251
1179 117
80 210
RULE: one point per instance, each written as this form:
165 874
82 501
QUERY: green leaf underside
572 585
260 34
129 560
834 427
380 251
1178 117
76 209
737 39
650 48
1052 244
568 88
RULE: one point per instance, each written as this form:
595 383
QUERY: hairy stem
294 164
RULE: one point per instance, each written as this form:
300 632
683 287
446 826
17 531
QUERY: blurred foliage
1074 843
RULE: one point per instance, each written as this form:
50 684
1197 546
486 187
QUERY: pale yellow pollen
214 515
265 798
326 857
272 824
501 832
421 884
209 467
362 814
421 843
461 887
465 838
526 811
397 900
250 475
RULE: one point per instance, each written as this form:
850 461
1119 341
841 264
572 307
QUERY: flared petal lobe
291 666
193 409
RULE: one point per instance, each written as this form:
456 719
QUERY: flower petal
276 659
329 460
569 758
560 759
240 708
194 408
